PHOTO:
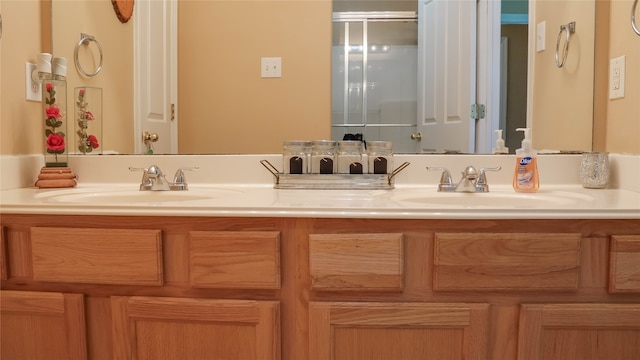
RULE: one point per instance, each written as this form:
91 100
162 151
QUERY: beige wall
20 126
562 109
295 31
623 115
97 18
21 122
219 71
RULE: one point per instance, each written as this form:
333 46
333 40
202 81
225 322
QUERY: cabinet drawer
356 261
100 256
235 259
510 261
624 274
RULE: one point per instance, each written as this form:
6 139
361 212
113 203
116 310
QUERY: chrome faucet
472 180
153 179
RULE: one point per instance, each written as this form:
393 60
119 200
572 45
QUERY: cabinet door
42 325
181 328
407 331
579 331
625 264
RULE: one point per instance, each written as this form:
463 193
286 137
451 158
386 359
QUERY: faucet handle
481 182
131 168
446 183
179 180
145 176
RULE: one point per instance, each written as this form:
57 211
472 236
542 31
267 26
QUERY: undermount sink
131 196
494 199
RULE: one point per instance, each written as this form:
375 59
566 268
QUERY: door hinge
173 112
477 111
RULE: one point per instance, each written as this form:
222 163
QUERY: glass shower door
374 84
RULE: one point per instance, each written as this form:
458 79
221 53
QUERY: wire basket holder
333 181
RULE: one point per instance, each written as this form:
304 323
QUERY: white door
155 75
447 75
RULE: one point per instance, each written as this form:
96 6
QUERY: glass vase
88 124
54 104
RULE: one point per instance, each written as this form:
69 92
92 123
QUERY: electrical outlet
271 67
540 36
616 78
33 88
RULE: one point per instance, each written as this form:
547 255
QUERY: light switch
271 67
540 36
616 78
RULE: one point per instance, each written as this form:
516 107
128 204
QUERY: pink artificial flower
53 112
55 142
81 92
88 115
49 87
93 141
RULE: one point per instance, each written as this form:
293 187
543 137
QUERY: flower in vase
93 141
86 142
54 142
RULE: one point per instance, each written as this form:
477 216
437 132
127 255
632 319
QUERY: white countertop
558 202
111 189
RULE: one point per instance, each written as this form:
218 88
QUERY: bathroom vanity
250 272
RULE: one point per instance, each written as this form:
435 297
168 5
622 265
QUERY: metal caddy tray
333 181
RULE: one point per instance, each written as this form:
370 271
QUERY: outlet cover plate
33 89
616 78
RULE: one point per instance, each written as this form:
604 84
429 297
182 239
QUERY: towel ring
633 18
568 29
85 40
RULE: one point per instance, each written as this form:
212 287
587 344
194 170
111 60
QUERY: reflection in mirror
117 40
374 72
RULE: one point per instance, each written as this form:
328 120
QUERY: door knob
149 137
416 137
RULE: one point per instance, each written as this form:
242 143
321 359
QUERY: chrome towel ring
85 40
568 29
633 18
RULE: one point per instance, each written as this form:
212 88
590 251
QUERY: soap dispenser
525 177
500 148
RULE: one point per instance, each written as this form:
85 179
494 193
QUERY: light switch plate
541 36
616 78
271 67
33 89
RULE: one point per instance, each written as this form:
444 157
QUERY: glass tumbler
594 170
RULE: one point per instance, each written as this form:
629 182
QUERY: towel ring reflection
85 40
633 18
568 29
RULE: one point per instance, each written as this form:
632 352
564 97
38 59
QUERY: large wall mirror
225 107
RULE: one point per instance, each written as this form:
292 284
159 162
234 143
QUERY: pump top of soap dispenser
526 142
500 148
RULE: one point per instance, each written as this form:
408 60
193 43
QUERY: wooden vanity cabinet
499 271
299 288
144 288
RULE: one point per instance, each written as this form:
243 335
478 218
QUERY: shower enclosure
374 76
